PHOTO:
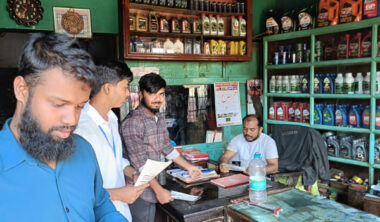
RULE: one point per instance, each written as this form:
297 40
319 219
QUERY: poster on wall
227 104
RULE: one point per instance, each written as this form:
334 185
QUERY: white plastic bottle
349 83
293 84
285 84
213 25
220 22
242 26
168 46
359 83
339 83
234 26
279 84
367 83
205 24
257 180
272 84
178 46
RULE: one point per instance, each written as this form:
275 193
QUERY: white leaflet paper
150 170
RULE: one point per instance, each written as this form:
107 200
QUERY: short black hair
45 51
111 72
151 83
259 120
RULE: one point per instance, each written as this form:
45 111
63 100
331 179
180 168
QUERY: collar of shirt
96 117
12 157
141 109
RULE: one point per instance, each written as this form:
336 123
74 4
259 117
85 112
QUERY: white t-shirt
245 150
111 164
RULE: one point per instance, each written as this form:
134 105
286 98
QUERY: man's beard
154 111
42 146
253 138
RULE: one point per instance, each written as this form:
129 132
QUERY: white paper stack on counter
183 196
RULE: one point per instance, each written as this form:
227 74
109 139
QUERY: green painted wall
103 15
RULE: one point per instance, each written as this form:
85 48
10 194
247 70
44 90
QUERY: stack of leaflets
184 176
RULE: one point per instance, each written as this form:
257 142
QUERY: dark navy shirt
32 191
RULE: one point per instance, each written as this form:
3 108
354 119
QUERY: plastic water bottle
257 180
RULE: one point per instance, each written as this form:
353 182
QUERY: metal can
299 47
276 56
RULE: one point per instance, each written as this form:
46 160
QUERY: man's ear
107 88
261 129
21 89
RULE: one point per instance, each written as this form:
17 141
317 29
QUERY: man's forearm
270 169
182 162
156 187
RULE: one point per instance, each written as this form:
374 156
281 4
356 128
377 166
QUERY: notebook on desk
231 181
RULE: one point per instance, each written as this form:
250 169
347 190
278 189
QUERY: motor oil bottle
377 118
332 145
272 84
343 47
330 49
164 23
360 149
272 23
367 83
318 113
366 45
305 19
305 83
366 117
377 151
358 84
339 84
350 11
287 23
329 115
354 116
317 83
291 114
355 43
345 147
153 23
341 117
328 84
371 9
328 13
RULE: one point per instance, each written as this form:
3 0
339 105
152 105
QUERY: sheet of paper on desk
150 170
234 167
183 196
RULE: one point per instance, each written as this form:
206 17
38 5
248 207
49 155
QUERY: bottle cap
257 156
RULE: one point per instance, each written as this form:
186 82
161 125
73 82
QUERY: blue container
318 113
341 115
377 123
318 83
329 115
333 77
366 117
355 116
305 84
328 84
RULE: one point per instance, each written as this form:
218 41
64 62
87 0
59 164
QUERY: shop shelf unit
312 34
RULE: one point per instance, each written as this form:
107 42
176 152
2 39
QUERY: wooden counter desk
209 208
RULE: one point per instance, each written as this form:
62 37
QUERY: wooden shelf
287 123
128 8
348 161
177 11
289 95
186 57
341 129
289 66
165 34
342 96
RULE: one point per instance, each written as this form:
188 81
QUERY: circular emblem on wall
25 12
72 22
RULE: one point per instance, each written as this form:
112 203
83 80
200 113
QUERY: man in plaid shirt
146 137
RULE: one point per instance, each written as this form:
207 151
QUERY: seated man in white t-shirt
244 146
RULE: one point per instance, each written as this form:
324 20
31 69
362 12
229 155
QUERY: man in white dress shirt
99 126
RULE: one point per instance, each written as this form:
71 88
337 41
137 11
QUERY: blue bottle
329 115
317 83
341 116
318 113
354 116
328 84
365 117
333 77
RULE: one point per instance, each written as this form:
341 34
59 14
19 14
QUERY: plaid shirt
144 139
